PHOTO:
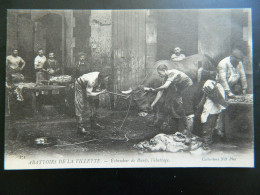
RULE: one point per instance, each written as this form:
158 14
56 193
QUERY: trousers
84 106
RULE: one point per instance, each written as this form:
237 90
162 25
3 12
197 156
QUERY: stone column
70 40
101 38
151 39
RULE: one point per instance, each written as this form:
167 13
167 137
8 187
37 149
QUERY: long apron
83 105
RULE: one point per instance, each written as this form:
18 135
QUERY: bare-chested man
87 88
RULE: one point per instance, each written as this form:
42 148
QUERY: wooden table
238 117
39 88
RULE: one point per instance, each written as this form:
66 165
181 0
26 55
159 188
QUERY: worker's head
177 50
15 52
40 52
51 55
162 70
236 57
82 56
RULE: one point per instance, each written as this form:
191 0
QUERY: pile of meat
61 79
169 143
243 99
19 89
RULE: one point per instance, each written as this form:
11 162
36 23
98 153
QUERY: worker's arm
36 63
164 86
173 78
90 92
222 70
243 78
23 64
158 96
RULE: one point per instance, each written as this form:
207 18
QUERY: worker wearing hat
231 71
82 66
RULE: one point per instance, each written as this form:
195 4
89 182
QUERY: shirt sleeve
22 61
242 76
172 77
173 56
222 70
36 63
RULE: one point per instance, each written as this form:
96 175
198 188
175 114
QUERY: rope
126 113
97 139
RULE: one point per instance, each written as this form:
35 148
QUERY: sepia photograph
128 88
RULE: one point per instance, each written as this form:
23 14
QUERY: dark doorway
176 28
51 35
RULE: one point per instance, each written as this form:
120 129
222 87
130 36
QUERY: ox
198 67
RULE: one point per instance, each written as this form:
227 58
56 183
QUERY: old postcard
129 88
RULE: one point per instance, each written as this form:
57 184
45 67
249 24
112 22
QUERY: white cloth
89 79
230 75
174 57
173 74
39 61
209 106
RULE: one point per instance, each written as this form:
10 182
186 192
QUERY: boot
207 139
94 124
189 128
208 129
81 128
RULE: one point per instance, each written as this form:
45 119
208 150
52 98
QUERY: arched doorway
48 35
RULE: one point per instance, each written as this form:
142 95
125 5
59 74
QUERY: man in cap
52 66
177 56
87 87
39 60
231 71
82 65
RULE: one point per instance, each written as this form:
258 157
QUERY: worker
231 71
213 103
87 88
177 89
51 66
177 56
82 66
39 60
14 65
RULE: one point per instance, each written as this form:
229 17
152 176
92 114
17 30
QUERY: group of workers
89 84
15 65
230 80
